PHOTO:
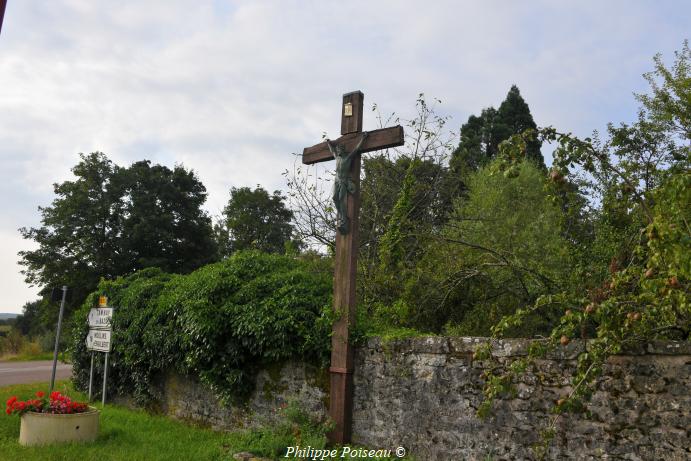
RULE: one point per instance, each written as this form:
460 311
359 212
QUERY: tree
406 195
644 171
254 219
515 117
501 248
163 223
479 142
77 239
111 221
29 321
481 136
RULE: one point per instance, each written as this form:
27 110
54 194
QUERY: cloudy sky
232 88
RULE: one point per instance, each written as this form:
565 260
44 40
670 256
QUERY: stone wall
423 393
185 398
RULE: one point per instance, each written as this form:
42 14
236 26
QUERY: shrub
221 323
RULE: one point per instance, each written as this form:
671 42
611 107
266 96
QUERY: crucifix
346 151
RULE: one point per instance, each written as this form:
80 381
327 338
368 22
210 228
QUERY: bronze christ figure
343 184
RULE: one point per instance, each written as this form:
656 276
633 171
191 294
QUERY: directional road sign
98 340
100 318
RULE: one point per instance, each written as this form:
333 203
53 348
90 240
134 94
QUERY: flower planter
47 428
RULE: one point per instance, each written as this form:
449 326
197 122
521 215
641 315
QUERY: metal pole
105 377
3 4
91 375
57 337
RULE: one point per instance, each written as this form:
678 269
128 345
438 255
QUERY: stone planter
46 428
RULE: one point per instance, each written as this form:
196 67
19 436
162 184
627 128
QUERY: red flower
58 404
40 394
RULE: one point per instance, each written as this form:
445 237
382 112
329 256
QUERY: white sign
100 318
98 340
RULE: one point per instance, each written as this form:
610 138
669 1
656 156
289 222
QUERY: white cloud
232 88
14 291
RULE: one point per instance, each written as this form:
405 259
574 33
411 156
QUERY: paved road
31 372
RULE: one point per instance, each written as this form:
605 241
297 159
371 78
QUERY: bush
501 249
222 323
13 342
46 342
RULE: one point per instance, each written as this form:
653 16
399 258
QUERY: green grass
124 435
135 435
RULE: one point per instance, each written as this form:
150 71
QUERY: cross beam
377 139
345 259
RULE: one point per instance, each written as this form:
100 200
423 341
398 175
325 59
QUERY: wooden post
345 270
341 370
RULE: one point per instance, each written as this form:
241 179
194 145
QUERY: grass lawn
135 435
124 435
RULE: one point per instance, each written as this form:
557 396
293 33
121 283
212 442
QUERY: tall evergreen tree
481 135
515 117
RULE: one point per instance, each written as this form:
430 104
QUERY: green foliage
111 221
482 135
163 224
221 323
294 428
392 250
253 219
669 105
502 248
124 435
405 200
35 317
644 173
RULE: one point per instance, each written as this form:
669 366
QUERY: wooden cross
345 266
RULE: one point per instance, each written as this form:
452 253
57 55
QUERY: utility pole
3 4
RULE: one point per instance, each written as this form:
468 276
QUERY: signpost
3 4
99 339
63 298
100 317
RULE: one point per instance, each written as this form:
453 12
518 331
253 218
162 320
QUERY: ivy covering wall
221 323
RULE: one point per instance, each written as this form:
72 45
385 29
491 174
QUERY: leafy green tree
405 199
254 219
163 223
501 249
111 221
77 240
29 321
644 171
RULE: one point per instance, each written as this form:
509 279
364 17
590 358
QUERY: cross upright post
355 142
